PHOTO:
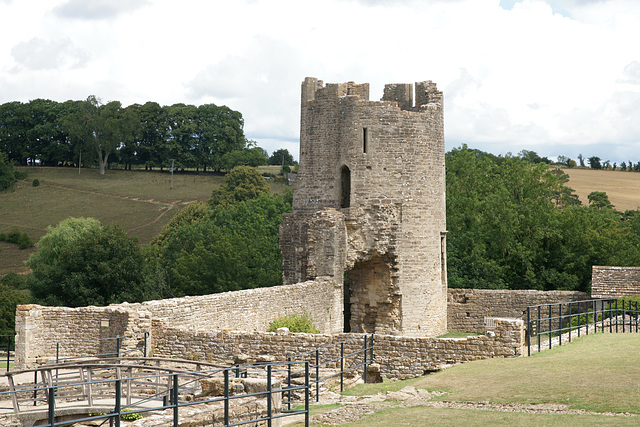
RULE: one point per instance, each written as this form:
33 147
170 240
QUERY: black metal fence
143 391
338 358
554 324
141 385
7 348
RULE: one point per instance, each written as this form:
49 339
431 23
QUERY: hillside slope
623 188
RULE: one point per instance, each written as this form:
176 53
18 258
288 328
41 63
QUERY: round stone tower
369 205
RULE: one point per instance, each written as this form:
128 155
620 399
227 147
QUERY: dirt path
167 207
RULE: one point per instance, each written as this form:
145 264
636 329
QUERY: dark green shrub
36 182
295 323
17 238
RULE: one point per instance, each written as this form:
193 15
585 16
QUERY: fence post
616 316
528 334
289 383
226 397
57 353
365 359
175 399
51 401
539 349
118 347
306 394
560 323
550 326
371 346
317 375
341 367
118 407
269 414
146 337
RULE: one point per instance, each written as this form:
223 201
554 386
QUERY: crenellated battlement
402 94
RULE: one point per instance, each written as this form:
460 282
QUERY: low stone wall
615 282
467 308
399 357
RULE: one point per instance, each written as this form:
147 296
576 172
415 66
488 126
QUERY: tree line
51 133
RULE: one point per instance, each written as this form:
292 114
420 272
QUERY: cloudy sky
559 77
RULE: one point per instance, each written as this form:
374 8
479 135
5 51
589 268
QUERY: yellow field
623 188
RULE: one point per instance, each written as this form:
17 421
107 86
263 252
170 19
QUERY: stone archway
371 301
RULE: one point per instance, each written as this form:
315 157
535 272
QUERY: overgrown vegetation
295 323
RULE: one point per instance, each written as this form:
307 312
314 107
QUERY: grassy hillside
623 188
141 202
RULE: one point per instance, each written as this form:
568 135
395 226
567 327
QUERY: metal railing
342 357
551 324
139 389
7 346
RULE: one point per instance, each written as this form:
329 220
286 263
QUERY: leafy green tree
104 128
255 156
234 247
281 157
516 225
7 173
240 184
599 200
80 262
594 162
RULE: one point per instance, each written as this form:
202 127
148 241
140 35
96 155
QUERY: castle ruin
369 205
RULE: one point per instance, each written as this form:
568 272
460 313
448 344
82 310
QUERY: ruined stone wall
39 328
400 357
381 166
467 308
79 331
615 282
254 309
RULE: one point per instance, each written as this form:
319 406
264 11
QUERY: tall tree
281 157
104 128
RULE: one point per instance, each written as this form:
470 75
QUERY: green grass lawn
598 373
139 201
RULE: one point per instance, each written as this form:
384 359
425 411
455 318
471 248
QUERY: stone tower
369 205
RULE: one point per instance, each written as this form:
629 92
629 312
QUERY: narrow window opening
345 187
364 140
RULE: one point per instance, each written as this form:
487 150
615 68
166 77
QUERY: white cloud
97 9
39 54
545 75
